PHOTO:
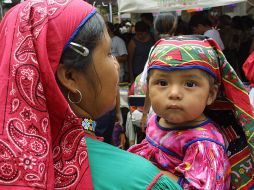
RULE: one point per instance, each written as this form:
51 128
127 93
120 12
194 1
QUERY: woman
54 64
138 49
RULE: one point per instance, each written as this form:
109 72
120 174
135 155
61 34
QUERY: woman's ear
212 94
66 77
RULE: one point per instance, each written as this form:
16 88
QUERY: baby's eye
162 83
190 84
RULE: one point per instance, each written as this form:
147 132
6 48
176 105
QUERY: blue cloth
105 126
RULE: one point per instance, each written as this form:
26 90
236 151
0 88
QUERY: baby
183 78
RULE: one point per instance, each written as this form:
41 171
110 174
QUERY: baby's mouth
173 107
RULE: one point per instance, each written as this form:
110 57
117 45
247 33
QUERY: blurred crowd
131 43
235 35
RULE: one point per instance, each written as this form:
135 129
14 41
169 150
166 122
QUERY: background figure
200 24
231 40
165 24
148 19
118 49
182 28
247 41
138 49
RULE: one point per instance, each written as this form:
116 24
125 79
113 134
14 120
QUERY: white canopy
141 6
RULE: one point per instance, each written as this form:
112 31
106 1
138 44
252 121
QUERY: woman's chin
104 111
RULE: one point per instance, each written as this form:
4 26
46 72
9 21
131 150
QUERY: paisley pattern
35 145
37 151
8 164
27 80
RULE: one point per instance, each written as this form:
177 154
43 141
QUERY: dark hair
89 36
225 20
147 16
199 18
140 26
182 28
165 23
110 27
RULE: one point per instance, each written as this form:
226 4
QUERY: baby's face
179 97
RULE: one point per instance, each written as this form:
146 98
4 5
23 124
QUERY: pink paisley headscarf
41 140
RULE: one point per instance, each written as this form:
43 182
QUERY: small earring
75 102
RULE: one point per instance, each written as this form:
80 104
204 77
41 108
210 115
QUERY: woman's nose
175 93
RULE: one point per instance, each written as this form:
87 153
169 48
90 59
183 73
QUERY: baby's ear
212 94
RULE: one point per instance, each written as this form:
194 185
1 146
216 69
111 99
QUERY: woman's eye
110 54
162 83
190 84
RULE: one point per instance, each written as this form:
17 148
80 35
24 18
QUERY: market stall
141 6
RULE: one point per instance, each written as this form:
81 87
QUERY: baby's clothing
196 154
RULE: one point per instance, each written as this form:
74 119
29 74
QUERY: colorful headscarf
199 52
41 140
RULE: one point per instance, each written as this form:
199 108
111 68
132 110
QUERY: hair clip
84 51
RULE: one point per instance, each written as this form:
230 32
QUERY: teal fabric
115 169
165 183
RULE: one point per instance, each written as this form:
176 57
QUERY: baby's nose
175 92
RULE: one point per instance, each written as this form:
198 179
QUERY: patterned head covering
199 52
41 140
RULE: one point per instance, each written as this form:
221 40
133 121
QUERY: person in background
138 49
185 74
148 19
200 24
182 28
247 41
118 49
126 35
55 62
231 40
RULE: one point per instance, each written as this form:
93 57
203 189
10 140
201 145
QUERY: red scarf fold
41 140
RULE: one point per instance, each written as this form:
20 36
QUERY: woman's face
99 85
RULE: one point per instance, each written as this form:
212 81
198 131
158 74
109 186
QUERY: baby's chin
171 123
